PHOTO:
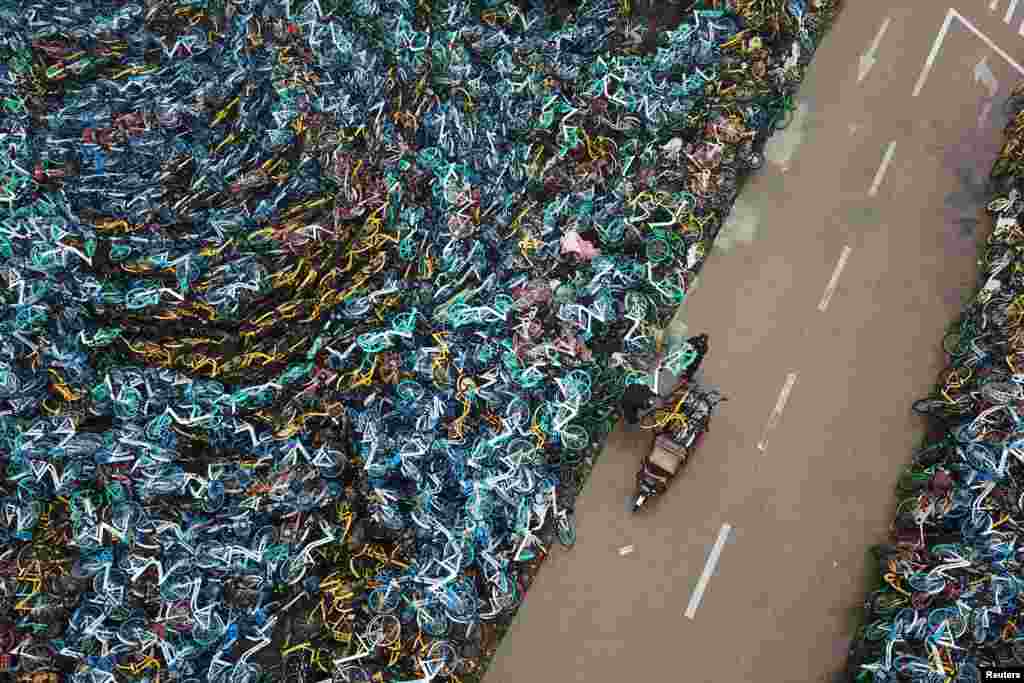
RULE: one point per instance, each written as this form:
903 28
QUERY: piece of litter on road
625 550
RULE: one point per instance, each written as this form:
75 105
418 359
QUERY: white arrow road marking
867 60
983 73
937 45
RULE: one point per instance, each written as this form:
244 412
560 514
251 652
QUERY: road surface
893 180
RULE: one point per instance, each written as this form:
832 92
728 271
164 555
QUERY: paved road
784 599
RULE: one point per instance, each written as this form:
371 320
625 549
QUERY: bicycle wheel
934 407
245 672
521 449
575 438
951 343
37 658
911 482
886 603
909 664
384 600
658 250
517 412
566 531
1001 393
967 673
352 673
784 118
445 657
410 392
1013 105
432 620
877 631
133 631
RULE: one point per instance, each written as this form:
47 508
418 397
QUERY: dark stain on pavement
968 226
969 159
964 203
953 298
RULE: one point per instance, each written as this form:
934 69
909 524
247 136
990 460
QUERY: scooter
674 441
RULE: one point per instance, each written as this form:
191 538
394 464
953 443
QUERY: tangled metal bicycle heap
952 577
308 310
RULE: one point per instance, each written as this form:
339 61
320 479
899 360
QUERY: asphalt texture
806 493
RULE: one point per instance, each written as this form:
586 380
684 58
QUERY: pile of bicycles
307 310
951 580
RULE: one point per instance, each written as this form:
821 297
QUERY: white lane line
937 45
880 174
780 405
709 569
869 58
831 288
1009 12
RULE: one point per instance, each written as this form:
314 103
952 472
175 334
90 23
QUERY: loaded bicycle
679 428
679 421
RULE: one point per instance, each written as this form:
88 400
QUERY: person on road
638 399
700 345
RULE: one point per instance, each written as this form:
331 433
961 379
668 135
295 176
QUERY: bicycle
564 523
